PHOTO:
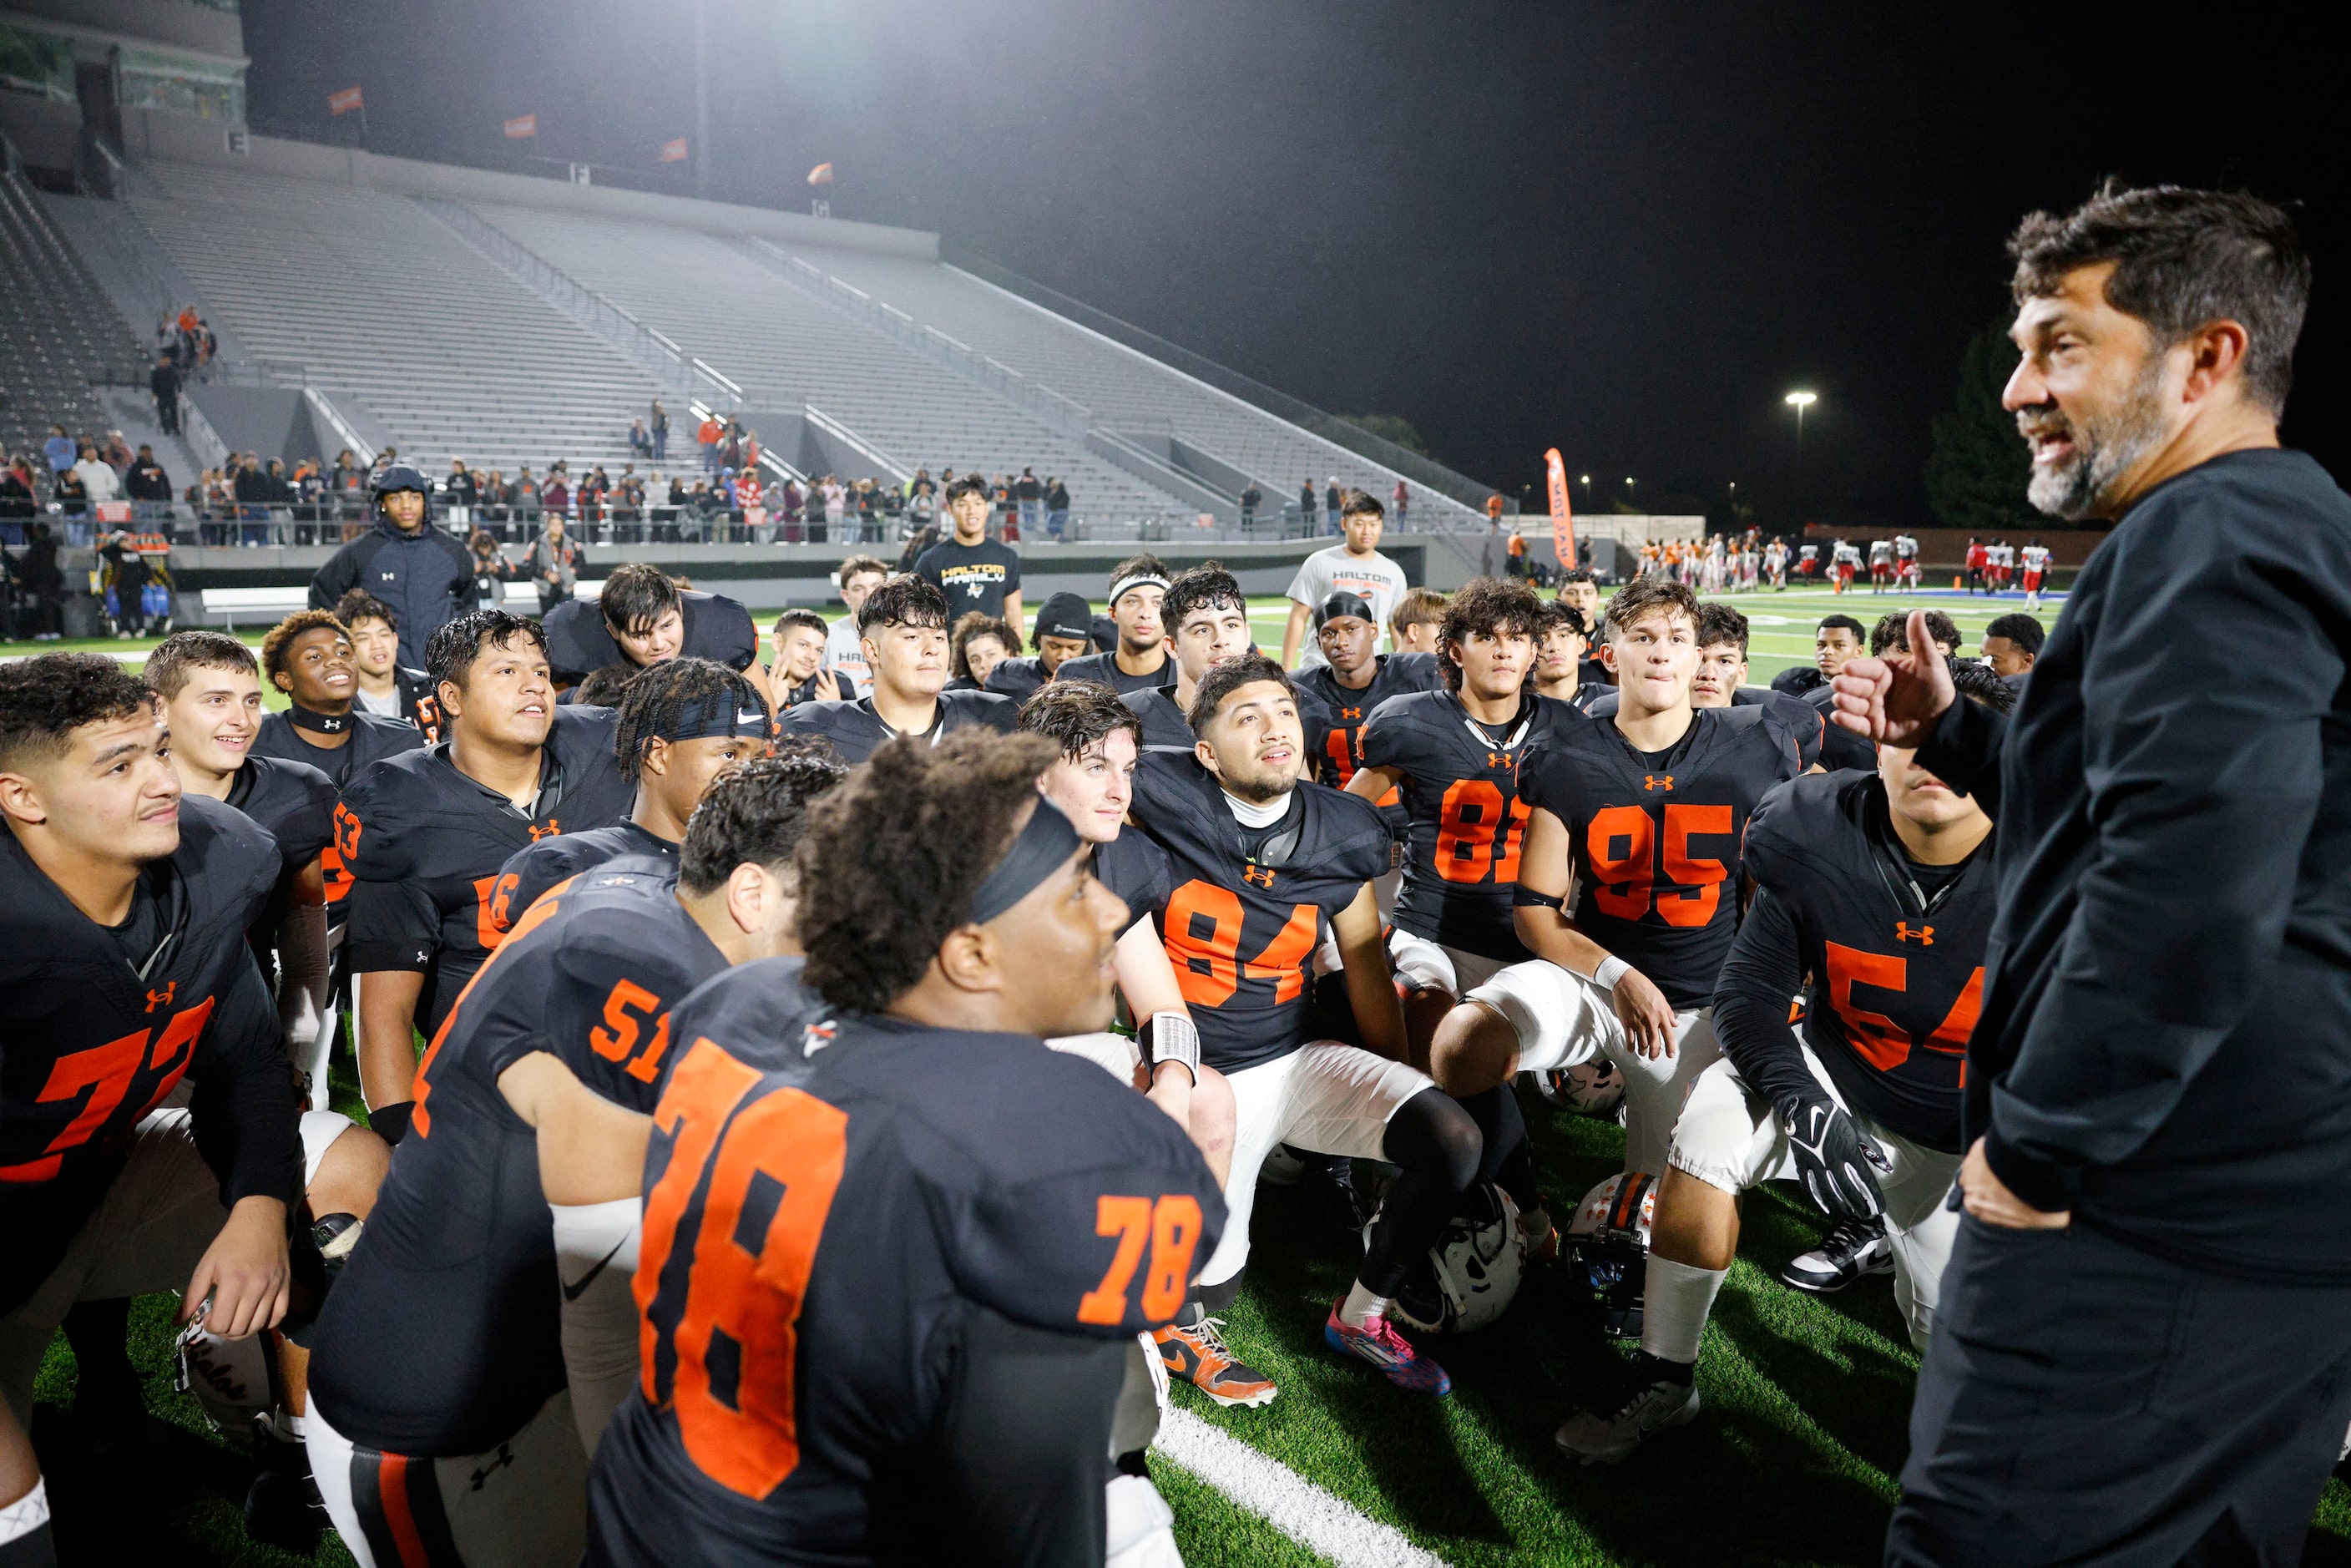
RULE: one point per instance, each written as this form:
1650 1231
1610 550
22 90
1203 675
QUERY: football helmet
1592 1088
1606 1248
1471 1276
229 1379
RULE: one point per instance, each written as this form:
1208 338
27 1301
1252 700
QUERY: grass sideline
1794 1460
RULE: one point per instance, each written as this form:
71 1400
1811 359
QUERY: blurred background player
424 835
1414 623
1264 863
2036 567
888 1289
2012 645
1353 680
387 688
425 574
1874 897
480 1339
976 643
903 625
1138 589
845 646
1562 637
800 673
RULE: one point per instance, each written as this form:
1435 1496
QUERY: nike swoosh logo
572 1292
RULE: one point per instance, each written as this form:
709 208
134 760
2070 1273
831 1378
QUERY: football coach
2144 1350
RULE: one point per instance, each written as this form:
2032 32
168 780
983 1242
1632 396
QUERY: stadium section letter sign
1563 522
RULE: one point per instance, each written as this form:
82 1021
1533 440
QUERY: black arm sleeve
243 1109
1963 751
1758 980
1024 1448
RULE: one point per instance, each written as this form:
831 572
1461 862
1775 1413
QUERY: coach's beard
2104 448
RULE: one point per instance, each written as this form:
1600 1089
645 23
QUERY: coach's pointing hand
1897 698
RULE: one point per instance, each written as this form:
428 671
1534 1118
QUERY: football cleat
283 1507
1378 1342
1851 1249
1641 1402
1197 1354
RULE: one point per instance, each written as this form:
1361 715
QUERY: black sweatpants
2084 1402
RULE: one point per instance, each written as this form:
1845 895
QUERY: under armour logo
1657 780
389 576
505 1456
1351 712
162 998
1924 935
1262 875
552 828
1500 759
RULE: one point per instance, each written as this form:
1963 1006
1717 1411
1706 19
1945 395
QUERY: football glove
1835 1158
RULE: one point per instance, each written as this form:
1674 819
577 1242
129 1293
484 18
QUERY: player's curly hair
1229 677
977 624
166 670
1208 586
903 601
1978 683
603 686
450 655
1489 606
277 642
358 604
757 812
1077 713
901 849
653 703
1646 596
43 701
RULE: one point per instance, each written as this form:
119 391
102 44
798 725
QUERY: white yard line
1293 1504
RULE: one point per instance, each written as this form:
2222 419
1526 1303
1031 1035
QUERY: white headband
1127 584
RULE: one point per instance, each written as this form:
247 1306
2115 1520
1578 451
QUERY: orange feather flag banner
345 101
1563 521
522 126
820 175
673 151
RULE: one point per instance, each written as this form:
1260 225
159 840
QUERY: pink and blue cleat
1378 1342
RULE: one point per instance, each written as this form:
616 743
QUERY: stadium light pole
1800 400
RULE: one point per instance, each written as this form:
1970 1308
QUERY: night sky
1624 231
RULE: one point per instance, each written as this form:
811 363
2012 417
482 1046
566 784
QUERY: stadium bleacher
59 332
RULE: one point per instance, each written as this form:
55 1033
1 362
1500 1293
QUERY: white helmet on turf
1471 1276
1592 1088
229 1379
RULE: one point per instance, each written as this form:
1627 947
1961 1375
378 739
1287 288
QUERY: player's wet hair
805 620
2019 629
970 485
450 654
1229 677
1720 623
1893 631
1845 621
1352 502
1577 574
904 600
605 686
1556 614
1485 605
662 694
1646 596
977 624
636 596
1975 683
43 701
277 643
900 850
756 813
359 605
1208 586
1419 607
167 668
2182 258
1077 713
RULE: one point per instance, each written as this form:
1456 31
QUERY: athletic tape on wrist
1612 969
1173 1039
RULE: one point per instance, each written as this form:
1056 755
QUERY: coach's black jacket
2165 1047
89 1046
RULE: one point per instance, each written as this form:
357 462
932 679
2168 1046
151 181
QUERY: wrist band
26 1514
1173 1039
1612 969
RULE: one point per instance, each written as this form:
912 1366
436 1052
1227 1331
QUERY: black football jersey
1892 954
1104 671
442 1335
1461 792
1342 751
1241 928
818 1242
1137 870
424 846
1805 722
856 730
1656 841
1165 728
1016 677
92 1038
297 803
531 870
374 739
715 627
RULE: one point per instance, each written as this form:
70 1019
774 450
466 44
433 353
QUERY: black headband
1344 603
725 712
1044 845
